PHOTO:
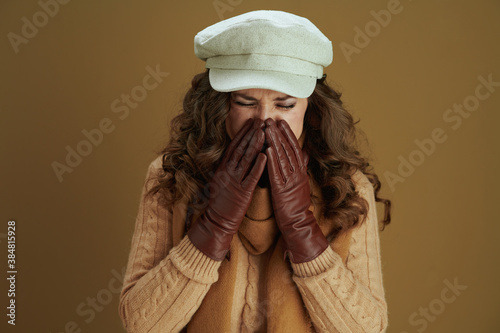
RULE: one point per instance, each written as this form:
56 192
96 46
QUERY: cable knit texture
167 278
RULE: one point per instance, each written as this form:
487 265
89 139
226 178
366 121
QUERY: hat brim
226 80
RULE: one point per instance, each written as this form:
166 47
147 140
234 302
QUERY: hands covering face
234 182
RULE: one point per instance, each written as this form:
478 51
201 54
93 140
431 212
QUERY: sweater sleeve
163 285
347 297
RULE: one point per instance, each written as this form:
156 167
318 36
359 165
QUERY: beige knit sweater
165 285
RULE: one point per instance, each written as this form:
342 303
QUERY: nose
264 112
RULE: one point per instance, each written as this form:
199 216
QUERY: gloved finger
276 178
239 151
236 140
292 146
254 147
287 139
274 140
259 123
253 177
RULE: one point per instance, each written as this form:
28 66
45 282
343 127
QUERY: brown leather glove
290 193
231 188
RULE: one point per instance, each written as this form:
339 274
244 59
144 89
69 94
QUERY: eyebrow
250 98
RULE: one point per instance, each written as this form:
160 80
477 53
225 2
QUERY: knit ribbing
317 266
193 263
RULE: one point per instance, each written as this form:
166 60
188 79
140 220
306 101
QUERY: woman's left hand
290 193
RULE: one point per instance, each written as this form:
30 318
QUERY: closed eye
287 107
244 104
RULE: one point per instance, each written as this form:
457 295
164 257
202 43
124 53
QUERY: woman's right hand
231 190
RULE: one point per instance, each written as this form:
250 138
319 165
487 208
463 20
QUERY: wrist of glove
290 193
211 235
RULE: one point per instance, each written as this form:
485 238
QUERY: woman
259 215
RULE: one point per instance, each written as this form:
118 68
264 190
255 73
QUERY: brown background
73 236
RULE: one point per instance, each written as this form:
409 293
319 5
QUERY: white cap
265 49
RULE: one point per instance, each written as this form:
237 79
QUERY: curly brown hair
198 139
